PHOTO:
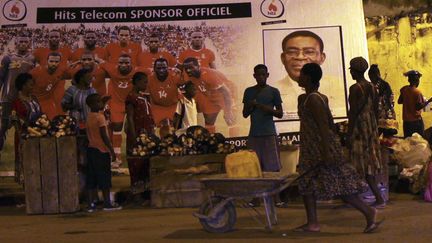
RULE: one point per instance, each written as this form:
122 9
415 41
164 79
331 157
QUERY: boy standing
99 154
263 102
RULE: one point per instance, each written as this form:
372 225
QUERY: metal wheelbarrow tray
218 214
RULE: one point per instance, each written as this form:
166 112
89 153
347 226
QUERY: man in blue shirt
263 102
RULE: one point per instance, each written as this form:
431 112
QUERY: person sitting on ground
99 155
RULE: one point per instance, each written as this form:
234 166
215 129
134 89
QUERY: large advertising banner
227 38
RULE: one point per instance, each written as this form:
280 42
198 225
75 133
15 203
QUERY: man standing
123 46
206 57
212 94
385 94
49 84
90 38
11 65
412 102
263 102
148 58
41 54
164 95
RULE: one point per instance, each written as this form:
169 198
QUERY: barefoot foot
308 228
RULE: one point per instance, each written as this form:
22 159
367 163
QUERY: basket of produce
63 125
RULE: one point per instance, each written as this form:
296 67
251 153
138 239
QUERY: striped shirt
77 98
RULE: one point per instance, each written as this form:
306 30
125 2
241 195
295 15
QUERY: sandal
373 227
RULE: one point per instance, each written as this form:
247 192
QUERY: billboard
238 34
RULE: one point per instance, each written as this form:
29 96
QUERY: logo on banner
14 10
272 8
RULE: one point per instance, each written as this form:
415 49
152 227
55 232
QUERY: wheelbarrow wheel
223 221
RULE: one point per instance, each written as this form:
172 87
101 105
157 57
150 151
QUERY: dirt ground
407 219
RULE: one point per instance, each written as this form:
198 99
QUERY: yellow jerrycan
243 164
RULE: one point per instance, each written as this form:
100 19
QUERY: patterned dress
365 151
325 181
27 111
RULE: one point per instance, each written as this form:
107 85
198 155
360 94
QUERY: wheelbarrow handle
285 185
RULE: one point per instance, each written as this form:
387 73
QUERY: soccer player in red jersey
212 94
147 58
119 86
49 84
41 57
87 61
11 66
90 37
41 54
123 46
206 57
164 95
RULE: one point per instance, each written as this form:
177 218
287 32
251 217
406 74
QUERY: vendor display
388 127
146 145
39 128
62 125
197 140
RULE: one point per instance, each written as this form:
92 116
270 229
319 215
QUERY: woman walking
363 138
326 175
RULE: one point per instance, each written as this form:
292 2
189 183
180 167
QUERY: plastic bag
412 151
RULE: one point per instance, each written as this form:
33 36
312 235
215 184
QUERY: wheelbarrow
218 214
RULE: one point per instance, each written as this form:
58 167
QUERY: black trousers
411 127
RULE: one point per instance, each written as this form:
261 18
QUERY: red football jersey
204 56
41 55
114 50
208 97
100 52
146 59
49 89
164 93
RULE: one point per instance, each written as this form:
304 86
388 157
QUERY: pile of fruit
62 125
388 127
197 140
39 128
146 145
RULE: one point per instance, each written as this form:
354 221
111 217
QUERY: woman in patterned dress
325 173
25 109
363 139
